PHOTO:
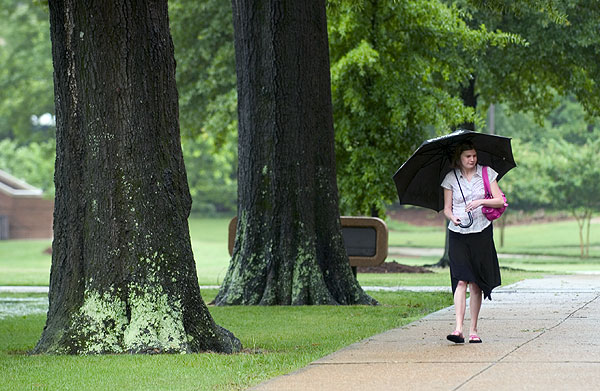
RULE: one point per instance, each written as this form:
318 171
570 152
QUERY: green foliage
396 68
211 175
203 36
33 163
575 182
556 160
26 72
525 186
546 9
560 57
568 122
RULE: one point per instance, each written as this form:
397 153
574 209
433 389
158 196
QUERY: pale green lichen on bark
156 322
100 323
308 284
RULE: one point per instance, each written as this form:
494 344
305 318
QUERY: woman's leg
460 304
474 306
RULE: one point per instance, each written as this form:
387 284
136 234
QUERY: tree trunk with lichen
123 277
289 247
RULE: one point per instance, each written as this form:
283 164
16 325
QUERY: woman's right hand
455 220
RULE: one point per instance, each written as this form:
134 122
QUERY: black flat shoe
456 337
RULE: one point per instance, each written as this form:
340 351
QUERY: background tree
203 36
395 66
123 277
574 183
535 141
26 72
289 248
559 58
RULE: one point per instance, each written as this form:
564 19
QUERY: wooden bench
366 240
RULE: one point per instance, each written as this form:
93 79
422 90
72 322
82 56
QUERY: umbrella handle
470 223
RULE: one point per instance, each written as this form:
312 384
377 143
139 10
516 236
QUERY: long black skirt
473 258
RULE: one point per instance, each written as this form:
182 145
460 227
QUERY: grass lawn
272 347
559 238
440 277
23 262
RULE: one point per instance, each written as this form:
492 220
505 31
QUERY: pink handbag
491 213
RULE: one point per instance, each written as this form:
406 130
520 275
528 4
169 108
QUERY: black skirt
473 258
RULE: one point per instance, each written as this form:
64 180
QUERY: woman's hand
455 220
473 205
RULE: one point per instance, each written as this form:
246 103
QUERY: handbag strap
461 192
463 196
486 182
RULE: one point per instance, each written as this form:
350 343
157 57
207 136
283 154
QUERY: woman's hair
460 148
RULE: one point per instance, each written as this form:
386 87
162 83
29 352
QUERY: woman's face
468 159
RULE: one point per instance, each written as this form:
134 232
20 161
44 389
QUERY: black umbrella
418 180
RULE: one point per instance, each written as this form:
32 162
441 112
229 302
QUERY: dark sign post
366 240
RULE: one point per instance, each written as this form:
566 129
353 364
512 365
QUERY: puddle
13 306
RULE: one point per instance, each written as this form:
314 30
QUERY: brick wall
29 217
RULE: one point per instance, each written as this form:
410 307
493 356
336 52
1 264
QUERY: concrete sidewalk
537 335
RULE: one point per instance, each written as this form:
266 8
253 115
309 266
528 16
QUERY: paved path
537 335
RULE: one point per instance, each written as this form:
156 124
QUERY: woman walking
473 258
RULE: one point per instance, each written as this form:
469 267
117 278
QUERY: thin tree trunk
587 240
445 259
580 225
289 247
469 99
123 277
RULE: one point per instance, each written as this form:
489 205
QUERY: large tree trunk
289 248
123 277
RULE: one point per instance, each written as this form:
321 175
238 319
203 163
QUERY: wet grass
439 277
272 347
23 262
560 238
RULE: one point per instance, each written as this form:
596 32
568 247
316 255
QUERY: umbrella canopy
418 180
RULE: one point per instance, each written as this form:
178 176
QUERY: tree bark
469 99
289 248
123 277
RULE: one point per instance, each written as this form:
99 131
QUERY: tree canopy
397 71
558 59
26 72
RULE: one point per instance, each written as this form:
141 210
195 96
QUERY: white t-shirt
473 190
